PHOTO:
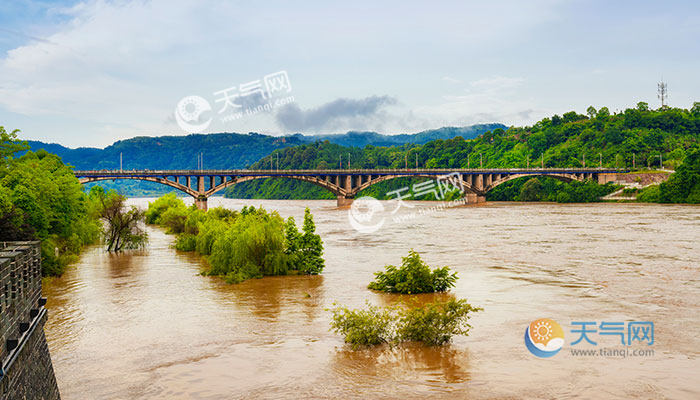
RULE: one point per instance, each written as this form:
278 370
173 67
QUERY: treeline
638 137
40 198
241 245
683 186
219 151
550 189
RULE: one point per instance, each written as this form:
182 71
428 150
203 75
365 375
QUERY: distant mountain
219 150
361 139
229 150
222 150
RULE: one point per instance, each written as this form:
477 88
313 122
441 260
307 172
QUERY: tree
311 247
9 145
696 109
531 190
591 111
292 243
122 230
682 185
13 225
642 106
414 276
42 199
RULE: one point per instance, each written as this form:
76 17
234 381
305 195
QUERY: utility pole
481 160
416 160
542 160
405 156
469 156
340 161
601 160
634 165
120 162
278 161
584 160
348 160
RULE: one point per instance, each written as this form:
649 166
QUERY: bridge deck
316 172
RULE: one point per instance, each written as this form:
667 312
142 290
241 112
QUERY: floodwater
145 325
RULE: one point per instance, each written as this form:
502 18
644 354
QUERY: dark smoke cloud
332 115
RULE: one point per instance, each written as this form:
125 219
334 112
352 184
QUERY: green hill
219 150
636 136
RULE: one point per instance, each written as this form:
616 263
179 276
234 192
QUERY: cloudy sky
87 73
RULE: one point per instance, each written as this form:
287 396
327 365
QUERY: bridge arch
469 188
508 178
163 181
331 187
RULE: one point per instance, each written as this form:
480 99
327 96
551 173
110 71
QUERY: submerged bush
160 205
251 247
414 276
364 327
241 245
435 323
432 324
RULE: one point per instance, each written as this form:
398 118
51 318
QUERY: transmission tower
662 90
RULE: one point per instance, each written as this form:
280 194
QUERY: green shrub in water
435 323
364 327
432 324
414 276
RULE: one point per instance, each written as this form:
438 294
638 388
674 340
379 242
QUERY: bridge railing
433 171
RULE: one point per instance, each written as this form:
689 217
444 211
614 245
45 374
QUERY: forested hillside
219 151
636 136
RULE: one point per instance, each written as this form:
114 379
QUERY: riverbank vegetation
40 198
241 245
432 324
550 189
121 224
413 276
638 137
683 186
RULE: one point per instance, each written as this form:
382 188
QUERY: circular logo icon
188 112
544 337
363 212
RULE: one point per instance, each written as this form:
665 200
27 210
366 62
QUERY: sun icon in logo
544 337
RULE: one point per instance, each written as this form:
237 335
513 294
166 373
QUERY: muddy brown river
145 325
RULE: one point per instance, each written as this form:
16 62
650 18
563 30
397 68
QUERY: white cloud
496 83
451 79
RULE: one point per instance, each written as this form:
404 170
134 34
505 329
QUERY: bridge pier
201 202
473 198
344 201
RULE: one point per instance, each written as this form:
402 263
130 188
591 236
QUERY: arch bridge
345 184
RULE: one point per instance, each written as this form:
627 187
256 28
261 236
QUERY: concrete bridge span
345 184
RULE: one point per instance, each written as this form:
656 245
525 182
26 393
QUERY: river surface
146 325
